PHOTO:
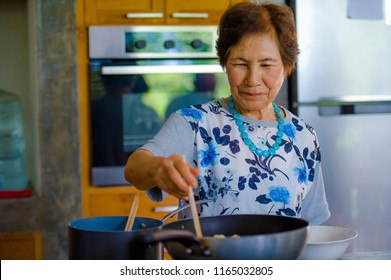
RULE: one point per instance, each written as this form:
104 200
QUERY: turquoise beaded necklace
242 129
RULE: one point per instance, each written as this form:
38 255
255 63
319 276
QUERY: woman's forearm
138 169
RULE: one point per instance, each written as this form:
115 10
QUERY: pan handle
179 209
194 246
187 238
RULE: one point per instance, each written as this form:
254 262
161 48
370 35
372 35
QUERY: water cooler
12 144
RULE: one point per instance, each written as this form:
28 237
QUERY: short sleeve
315 207
175 137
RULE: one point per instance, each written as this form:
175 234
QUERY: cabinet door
100 12
202 12
21 246
110 203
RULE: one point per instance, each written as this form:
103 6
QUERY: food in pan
223 236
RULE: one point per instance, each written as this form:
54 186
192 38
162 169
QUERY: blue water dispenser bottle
12 143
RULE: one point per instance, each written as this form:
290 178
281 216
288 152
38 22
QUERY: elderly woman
244 153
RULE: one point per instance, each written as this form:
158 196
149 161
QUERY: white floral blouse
288 183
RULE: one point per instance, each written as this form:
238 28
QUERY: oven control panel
152 41
163 42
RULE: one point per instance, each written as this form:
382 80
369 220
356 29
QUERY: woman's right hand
174 175
171 174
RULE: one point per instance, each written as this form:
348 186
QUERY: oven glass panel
128 109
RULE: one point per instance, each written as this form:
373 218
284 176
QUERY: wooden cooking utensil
132 213
194 213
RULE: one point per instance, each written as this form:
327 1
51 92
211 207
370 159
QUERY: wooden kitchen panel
21 246
101 12
118 203
203 12
154 12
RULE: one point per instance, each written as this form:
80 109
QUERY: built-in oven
139 75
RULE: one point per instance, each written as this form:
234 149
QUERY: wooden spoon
132 213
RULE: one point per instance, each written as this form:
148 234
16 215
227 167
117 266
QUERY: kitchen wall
38 62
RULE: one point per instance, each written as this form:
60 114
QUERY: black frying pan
260 237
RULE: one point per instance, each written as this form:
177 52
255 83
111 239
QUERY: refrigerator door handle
352 105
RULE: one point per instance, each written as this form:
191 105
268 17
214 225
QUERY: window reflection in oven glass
127 110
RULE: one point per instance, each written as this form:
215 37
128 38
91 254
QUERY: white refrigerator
342 87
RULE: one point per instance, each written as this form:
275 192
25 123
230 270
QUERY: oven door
131 99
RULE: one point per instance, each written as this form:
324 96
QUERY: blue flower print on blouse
301 174
279 194
297 125
210 155
191 112
215 187
289 130
226 185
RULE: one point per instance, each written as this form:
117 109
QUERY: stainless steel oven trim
167 55
108 41
160 69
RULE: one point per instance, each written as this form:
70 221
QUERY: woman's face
255 74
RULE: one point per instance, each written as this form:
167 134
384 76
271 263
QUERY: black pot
105 238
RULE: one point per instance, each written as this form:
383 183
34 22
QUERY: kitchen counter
378 255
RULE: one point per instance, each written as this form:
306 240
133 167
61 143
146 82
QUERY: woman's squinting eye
240 65
266 65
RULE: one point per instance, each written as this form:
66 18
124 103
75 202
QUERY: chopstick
194 213
132 212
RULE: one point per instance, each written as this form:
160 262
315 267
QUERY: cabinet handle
190 15
159 69
144 15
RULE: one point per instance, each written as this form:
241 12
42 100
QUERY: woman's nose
254 77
